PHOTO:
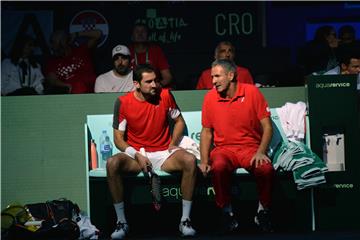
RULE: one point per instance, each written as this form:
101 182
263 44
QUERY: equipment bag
58 222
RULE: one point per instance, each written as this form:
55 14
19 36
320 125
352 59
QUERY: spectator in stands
236 132
21 74
320 54
347 40
141 119
120 78
224 50
71 69
346 34
349 63
144 52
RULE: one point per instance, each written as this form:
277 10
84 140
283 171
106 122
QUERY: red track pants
224 161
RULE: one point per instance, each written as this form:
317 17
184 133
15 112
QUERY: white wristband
130 151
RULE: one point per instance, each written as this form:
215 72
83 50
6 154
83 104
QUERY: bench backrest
96 124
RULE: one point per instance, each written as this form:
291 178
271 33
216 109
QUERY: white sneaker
121 231
186 229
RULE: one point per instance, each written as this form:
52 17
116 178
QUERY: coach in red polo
236 120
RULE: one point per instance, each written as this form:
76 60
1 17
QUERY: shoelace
186 223
120 226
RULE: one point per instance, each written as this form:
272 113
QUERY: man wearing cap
120 78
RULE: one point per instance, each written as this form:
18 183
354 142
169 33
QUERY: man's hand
258 159
205 168
143 161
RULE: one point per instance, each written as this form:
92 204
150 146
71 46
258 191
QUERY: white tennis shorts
159 157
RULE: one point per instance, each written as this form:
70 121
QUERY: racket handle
149 170
142 151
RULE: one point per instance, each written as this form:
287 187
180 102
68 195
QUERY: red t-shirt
76 69
154 56
236 121
146 123
205 80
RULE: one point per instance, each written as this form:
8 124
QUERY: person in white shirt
120 78
20 73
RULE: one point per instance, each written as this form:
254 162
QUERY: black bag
57 222
65 230
54 211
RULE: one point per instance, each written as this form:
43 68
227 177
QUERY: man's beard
154 96
122 70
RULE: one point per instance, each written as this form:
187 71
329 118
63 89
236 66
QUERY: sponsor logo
343 185
164 29
175 192
332 85
89 20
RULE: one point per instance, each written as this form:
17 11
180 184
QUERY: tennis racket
155 184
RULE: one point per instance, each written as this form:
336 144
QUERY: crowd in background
70 68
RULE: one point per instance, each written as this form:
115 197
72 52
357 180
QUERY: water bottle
93 155
106 146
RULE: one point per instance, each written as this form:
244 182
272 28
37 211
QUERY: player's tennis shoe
186 229
121 230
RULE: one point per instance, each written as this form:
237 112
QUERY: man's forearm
178 132
205 145
266 136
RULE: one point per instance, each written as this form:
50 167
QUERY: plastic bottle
106 147
93 155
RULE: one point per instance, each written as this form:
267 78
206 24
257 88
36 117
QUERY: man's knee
188 161
265 169
220 162
114 163
111 165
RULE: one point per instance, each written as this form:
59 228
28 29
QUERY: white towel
292 118
190 145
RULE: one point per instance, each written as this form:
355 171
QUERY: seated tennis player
141 121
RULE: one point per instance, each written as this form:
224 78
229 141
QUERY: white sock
119 209
228 209
186 208
260 207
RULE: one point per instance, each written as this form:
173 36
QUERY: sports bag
55 220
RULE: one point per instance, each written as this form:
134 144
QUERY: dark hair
141 24
140 69
347 29
322 33
18 47
347 54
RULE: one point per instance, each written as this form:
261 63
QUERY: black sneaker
229 223
263 221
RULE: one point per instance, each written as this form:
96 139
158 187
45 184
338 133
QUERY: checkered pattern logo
88 20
